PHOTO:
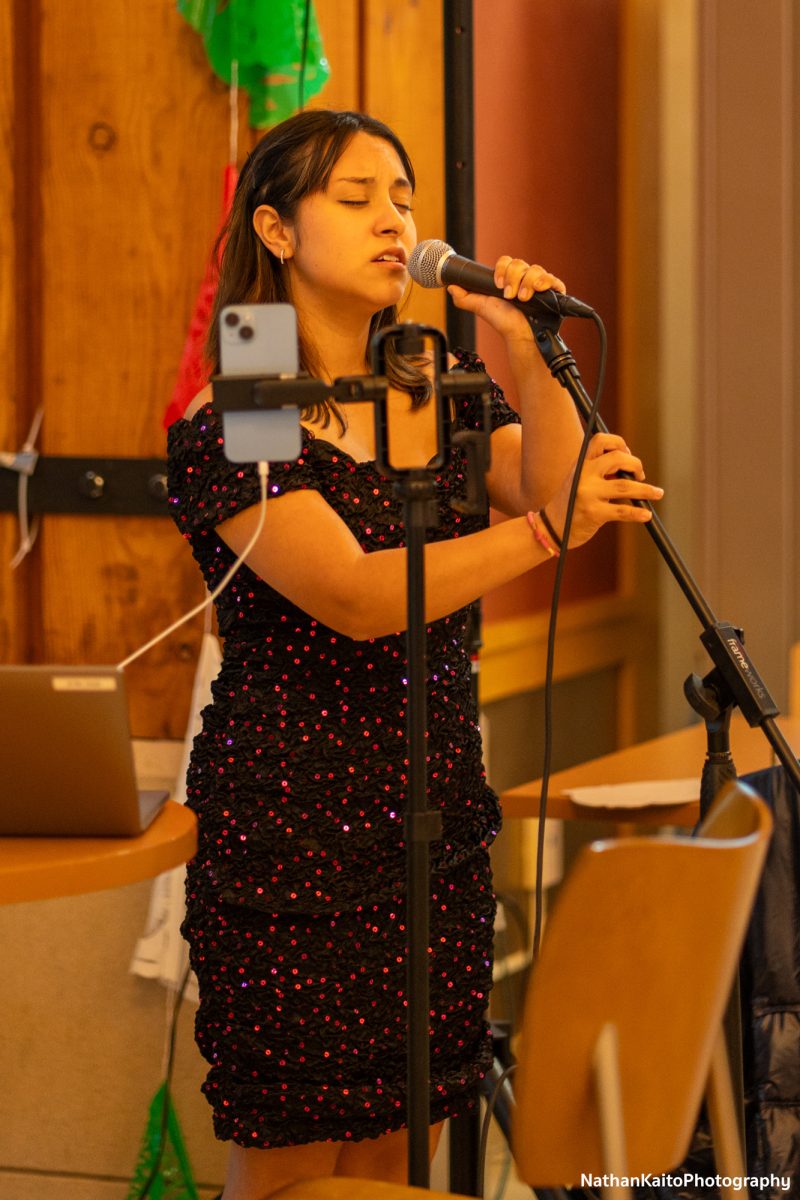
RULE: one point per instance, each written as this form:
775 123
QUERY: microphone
435 264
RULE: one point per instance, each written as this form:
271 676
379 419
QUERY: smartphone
260 340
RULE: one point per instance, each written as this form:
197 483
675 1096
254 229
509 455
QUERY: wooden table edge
46 868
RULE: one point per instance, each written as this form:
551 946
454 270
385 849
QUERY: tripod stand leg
718 769
465 1137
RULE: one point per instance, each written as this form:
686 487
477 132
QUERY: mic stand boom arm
735 674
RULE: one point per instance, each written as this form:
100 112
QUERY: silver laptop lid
66 761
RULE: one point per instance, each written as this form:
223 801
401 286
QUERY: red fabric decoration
194 371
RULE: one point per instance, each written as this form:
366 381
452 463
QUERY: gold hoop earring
282 254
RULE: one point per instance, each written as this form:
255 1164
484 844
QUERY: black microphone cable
428 266
551 636
502 1079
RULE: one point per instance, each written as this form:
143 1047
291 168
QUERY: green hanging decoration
266 38
164 1167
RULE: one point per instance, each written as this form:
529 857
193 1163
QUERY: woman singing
296 899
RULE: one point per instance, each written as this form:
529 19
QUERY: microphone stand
417 489
733 681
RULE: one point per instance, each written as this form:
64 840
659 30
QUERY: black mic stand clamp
706 696
732 682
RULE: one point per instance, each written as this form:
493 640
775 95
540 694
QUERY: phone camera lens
232 319
246 332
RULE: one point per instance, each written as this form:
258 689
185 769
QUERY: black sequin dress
295 900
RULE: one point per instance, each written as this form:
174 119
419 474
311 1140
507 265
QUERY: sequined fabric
295 900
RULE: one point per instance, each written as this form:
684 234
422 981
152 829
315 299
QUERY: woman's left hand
519 280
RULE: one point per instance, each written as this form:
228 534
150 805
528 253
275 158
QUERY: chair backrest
646 934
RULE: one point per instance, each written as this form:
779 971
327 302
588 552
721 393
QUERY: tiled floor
501 1182
501 1178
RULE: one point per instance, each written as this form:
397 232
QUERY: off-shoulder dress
296 898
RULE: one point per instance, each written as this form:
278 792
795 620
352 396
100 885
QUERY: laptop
66 759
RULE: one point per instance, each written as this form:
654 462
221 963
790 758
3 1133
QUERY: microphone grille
425 262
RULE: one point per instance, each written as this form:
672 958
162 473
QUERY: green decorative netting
173 1178
266 39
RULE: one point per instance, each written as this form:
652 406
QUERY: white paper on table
641 794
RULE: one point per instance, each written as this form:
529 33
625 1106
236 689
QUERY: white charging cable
263 475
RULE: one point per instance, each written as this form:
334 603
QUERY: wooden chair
622 1024
343 1188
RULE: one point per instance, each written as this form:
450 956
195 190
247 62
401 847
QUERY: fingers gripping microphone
435 264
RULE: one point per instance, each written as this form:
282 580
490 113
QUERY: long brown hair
292 161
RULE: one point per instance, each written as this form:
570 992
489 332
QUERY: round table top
41 868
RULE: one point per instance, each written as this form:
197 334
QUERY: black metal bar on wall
96 486
459 145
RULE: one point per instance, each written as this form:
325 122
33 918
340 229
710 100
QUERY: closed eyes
399 205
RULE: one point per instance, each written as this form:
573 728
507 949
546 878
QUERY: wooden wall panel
402 76
340 26
386 58
131 192
9 613
131 199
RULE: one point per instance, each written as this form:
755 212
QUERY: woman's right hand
602 496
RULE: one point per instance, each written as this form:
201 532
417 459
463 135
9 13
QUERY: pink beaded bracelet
548 524
541 536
